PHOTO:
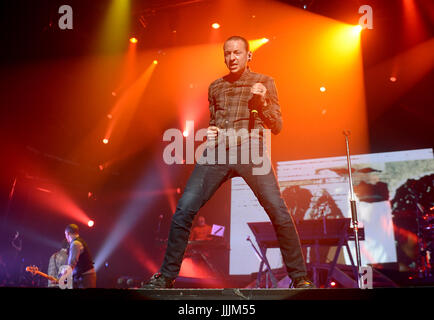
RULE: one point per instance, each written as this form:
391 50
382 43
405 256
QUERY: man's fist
259 89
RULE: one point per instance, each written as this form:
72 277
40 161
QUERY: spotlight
392 79
322 89
155 62
333 284
105 140
215 25
90 223
185 133
109 116
357 29
133 40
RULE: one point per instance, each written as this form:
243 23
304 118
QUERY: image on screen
320 189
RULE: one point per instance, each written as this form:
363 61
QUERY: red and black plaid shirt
229 103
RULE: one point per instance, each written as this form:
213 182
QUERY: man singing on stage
241 100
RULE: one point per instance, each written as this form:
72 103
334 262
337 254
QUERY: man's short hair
72 228
246 43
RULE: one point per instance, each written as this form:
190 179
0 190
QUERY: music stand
312 233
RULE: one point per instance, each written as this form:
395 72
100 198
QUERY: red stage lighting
215 25
105 140
155 62
133 40
392 79
90 223
333 284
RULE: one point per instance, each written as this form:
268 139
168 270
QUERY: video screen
319 189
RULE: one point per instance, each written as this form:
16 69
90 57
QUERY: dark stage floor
226 303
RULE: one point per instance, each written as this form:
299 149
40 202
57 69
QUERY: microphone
254 102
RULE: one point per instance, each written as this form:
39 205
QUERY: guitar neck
47 276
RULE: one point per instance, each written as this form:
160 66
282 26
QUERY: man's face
201 221
236 56
68 237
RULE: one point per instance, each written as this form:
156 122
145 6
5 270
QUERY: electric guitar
34 270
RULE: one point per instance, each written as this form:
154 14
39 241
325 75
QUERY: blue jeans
202 184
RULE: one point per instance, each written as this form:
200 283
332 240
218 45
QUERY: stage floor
217 303
50 294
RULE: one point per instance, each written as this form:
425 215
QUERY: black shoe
302 283
158 281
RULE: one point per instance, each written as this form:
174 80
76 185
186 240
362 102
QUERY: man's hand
260 90
258 100
212 133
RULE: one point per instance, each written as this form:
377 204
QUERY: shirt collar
243 76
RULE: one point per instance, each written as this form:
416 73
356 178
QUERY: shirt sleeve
271 114
211 101
74 253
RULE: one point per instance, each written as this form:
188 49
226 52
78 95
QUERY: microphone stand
354 213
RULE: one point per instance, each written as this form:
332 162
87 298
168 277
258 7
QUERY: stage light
257 43
155 62
322 89
392 79
109 116
333 284
90 223
215 25
185 133
105 140
133 40
357 29
43 190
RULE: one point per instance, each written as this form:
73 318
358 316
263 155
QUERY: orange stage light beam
414 29
257 43
127 103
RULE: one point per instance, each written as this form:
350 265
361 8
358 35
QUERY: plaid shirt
57 260
229 103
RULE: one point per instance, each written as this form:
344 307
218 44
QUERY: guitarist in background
80 259
57 260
